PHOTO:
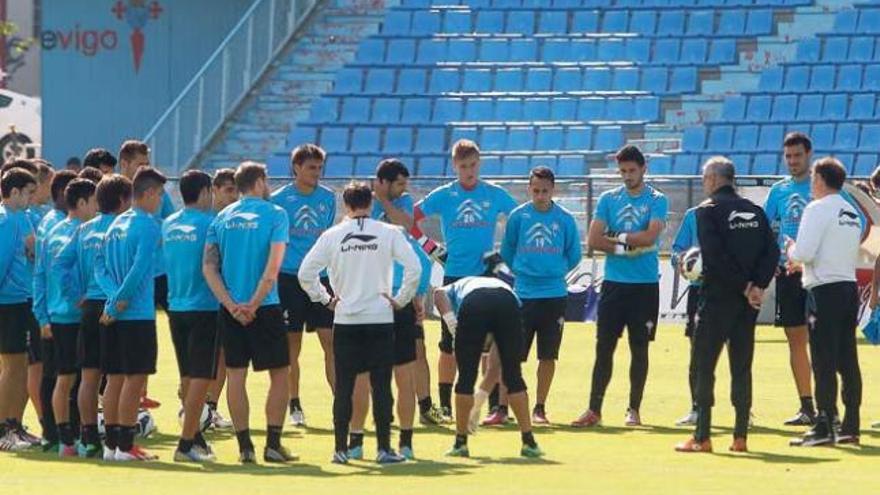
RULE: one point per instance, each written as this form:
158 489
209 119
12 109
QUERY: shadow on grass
772 458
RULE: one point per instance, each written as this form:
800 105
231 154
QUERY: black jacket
736 243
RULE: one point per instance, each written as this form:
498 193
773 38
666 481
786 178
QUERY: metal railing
223 82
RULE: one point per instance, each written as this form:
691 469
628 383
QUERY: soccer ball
204 420
692 265
145 423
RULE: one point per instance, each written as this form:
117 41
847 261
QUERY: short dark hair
307 151
59 183
222 176
796 138
16 178
145 179
78 189
192 182
630 153
247 175
357 195
541 172
832 172
96 157
21 163
91 173
73 162
112 191
44 170
390 169
132 148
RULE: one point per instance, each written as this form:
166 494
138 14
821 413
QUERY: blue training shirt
165 210
541 247
405 203
468 219
54 302
461 288
685 238
309 215
183 239
77 260
125 265
622 213
244 232
16 273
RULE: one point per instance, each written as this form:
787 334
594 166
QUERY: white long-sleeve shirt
828 241
359 254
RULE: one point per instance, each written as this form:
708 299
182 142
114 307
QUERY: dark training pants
723 320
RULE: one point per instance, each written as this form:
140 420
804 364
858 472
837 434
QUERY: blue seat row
660 51
823 77
723 138
394 140
724 22
605 3
837 49
857 164
858 21
504 79
392 110
809 107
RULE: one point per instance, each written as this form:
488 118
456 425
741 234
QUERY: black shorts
544 318
791 301
88 344
420 331
634 306
263 342
299 311
447 342
160 292
405 335
366 347
65 336
693 304
47 350
34 346
196 343
15 321
129 347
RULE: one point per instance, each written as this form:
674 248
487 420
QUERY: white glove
451 321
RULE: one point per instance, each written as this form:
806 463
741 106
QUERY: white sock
480 398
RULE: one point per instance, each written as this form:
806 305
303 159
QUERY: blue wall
92 94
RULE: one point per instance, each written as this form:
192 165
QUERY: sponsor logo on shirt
243 221
471 214
742 220
630 217
306 222
182 233
847 218
794 209
539 239
364 242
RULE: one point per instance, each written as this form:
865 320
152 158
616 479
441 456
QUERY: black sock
494 397
126 437
355 439
199 440
89 435
65 433
406 437
273 436
111 437
244 440
704 424
425 405
446 395
460 441
528 439
295 405
807 405
212 404
184 445
539 407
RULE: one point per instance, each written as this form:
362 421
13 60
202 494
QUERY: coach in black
739 259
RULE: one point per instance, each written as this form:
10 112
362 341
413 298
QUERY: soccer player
91 173
828 248
739 255
124 269
541 245
685 239
192 309
57 308
311 209
16 187
626 226
468 209
100 159
361 249
476 309
251 320
77 264
784 206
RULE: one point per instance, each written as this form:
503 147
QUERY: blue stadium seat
490 165
461 50
865 164
548 161
521 21
655 80
477 80
493 139
416 111
521 138
508 80
823 136
861 49
734 108
398 140
456 21
745 138
338 166
638 50
758 109
619 109
615 21
822 77
425 22
643 22
597 79
862 106
508 109
470 133
693 51
784 108
432 166
583 50
847 136
494 50
765 164
701 23
550 138
869 137
448 110
355 110
430 140
611 50
835 49
797 78
539 79
741 161
386 110
401 51
732 23
810 107
869 21
609 138
431 51
660 165
562 109
571 165
808 50
591 109
302 134
324 110
770 138
445 81
349 81
553 22
479 110
798 127
845 21
365 165
666 51
334 139
365 140
536 109
557 50
683 80
771 79
647 108
846 159
760 22
723 51
490 21
515 165
625 79
379 81
685 164
694 139
585 21
671 23
411 82
835 107
579 138
720 137
871 80
567 79
849 78
371 50
523 50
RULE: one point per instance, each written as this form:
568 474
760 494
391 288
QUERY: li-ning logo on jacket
181 233
243 221
471 213
364 239
742 220
848 219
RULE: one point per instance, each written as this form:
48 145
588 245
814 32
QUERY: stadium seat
445 81
548 161
745 138
379 81
339 166
490 21
732 23
810 107
493 139
515 165
822 78
355 110
608 138
591 109
770 138
349 81
585 21
758 109
647 108
448 110
490 165
425 22
784 108
479 110
760 22
536 109
523 50
862 106
671 23
461 50
468 132
655 80
430 140
578 138
562 109
302 134
847 136
611 50
693 51
508 109
808 50
835 107
849 78
521 139
643 22
550 138
615 21
869 137
398 140
552 22
683 80
494 50
861 49
571 165
567 79
386 110
371 51
619 109
701 23
432 166
401 51
869 21
871 80
416 111
694 139
521 21
455 21
734 108
508 80
797 78
411 81
583 50
476 81
557 50
865 164
324 110
666 51
720 137
771 79
365 165
835 49
660 165
365 140
539 79
765 164
334 139
823 136
431 51
597 79
625 79
845 21
685 164
396 22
